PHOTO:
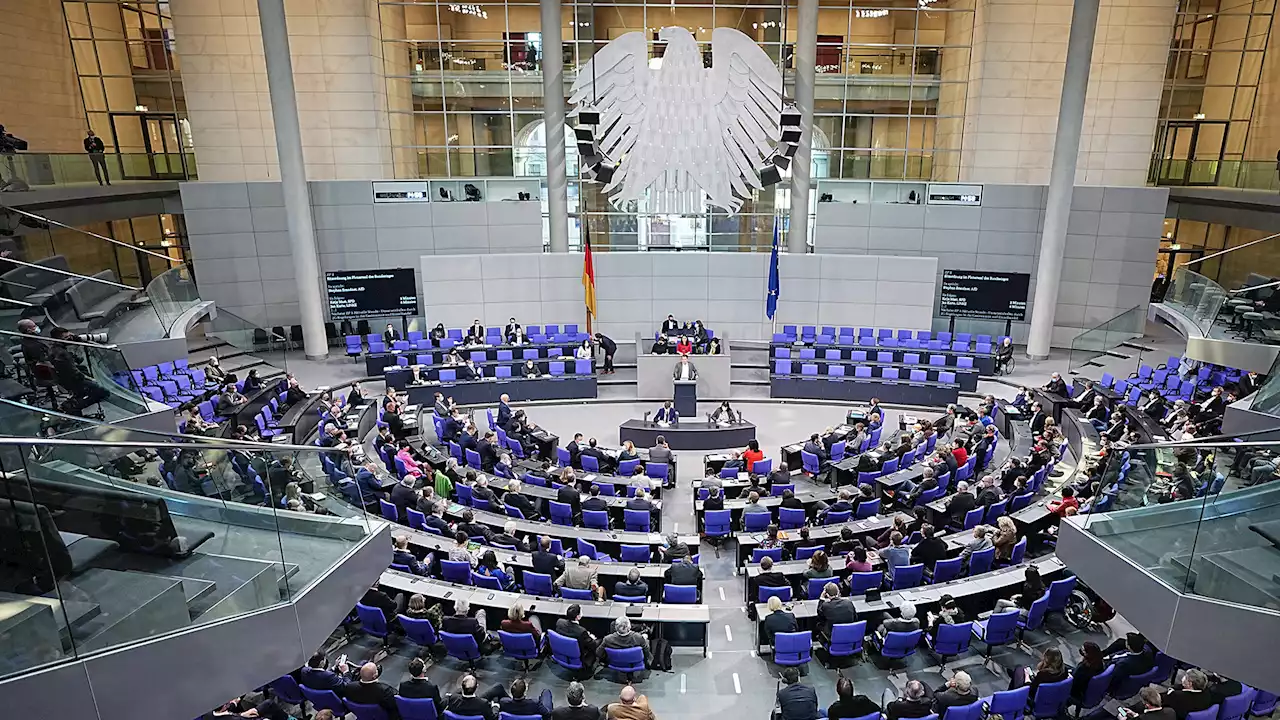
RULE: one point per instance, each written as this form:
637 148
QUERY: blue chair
489 582
366 711
810 462
763 466
636 520
782 593
897 645
1059 590
717 523
792 649
1236 706
419 630
627 661
1035 616
1096 691
456 571
520 646
586 548
908 576
596 519
846 639
372 621
758 554
980 562
635 553
951 640
324 700
683 594
590 464
779 489
945 570
862 582
1130 686
1009 704
998 629
813 587
791 518
286 688
537 583
972 711
561 513
835 518
1051 699
867 508
756 521
389 511
461 647
804 553
573 594
566 652
1209 713
416 708
450 715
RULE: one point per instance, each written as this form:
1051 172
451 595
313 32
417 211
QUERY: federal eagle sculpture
682 132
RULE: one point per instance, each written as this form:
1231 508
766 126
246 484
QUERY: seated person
834 609
905 622
633 586
489 567
623 637
461 623
518 621
582 575
956 692
667 414
777 620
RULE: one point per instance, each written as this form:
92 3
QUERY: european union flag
771 304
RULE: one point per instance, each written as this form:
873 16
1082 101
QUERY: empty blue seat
998 629
831 354
782 353
792 649
862 371
951 640
889 373
782 367
809 369
947 377
835 371
884 357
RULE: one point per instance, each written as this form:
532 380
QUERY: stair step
1137 346
132 605
1115 354
240 583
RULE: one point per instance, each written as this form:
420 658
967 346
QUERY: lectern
686 398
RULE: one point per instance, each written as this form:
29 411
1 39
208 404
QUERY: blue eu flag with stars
771 304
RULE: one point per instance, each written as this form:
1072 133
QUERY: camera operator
9 146
34 349
72 375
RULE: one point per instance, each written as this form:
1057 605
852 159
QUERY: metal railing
1108 335
37 169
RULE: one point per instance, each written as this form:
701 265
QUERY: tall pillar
293 176
553 117
805 62
1062 176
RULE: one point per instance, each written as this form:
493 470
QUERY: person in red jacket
1059 507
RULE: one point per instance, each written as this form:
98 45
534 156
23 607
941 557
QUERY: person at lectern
390 335
684 370
667 414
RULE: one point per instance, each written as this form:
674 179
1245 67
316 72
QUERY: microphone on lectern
646 417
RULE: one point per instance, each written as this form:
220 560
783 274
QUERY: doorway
1191 152
150 145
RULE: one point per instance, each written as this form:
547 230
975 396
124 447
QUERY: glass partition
243 336
172 293
134 535
1267 399
1098 340
1196 297
80 377
48 169
1204 518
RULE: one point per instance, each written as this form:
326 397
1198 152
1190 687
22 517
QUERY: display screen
984 294
372 293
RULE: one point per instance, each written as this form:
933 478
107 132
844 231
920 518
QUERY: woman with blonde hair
1005 538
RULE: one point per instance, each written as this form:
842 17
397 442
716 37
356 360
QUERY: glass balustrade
1204 518
51 169
1096 341
134 535
1197 297
82 378
172 293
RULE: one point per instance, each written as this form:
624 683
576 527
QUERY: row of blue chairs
480 356
880 356
417 340
884 337
171 383
784 367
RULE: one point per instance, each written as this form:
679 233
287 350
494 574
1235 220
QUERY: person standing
609 347
97 157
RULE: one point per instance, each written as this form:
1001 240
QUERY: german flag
588 276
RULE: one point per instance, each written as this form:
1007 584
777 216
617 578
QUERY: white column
1062 176
553 116
805 62
293 176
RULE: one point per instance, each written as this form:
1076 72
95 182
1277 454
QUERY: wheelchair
1008 366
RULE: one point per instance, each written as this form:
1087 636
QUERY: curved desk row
606 541
684 625
973 593
966 378
487 391
375 362
688 435
894 392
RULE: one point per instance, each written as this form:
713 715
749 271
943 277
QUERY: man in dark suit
768 577
980 449
368 690
1154 406
461 623
317 677
814 446
546 562
790 501
390 335
670 325
957 691
640 502
1037 418
577 709
960 504
401 555
795 700
604 462
930 549
844 501
1148 706
480 490
520 502
1056 385
521 705
575 450
504 410
914 702
569 626
1136 658
633 586
419 686
508 537
467 703
569 495
488 449
833 609
1192 696
714 501
594 502
441 406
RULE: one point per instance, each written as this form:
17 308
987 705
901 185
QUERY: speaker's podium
686 398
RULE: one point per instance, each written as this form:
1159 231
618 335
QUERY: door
1191 152
150 145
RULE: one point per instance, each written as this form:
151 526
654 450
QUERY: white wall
635 291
